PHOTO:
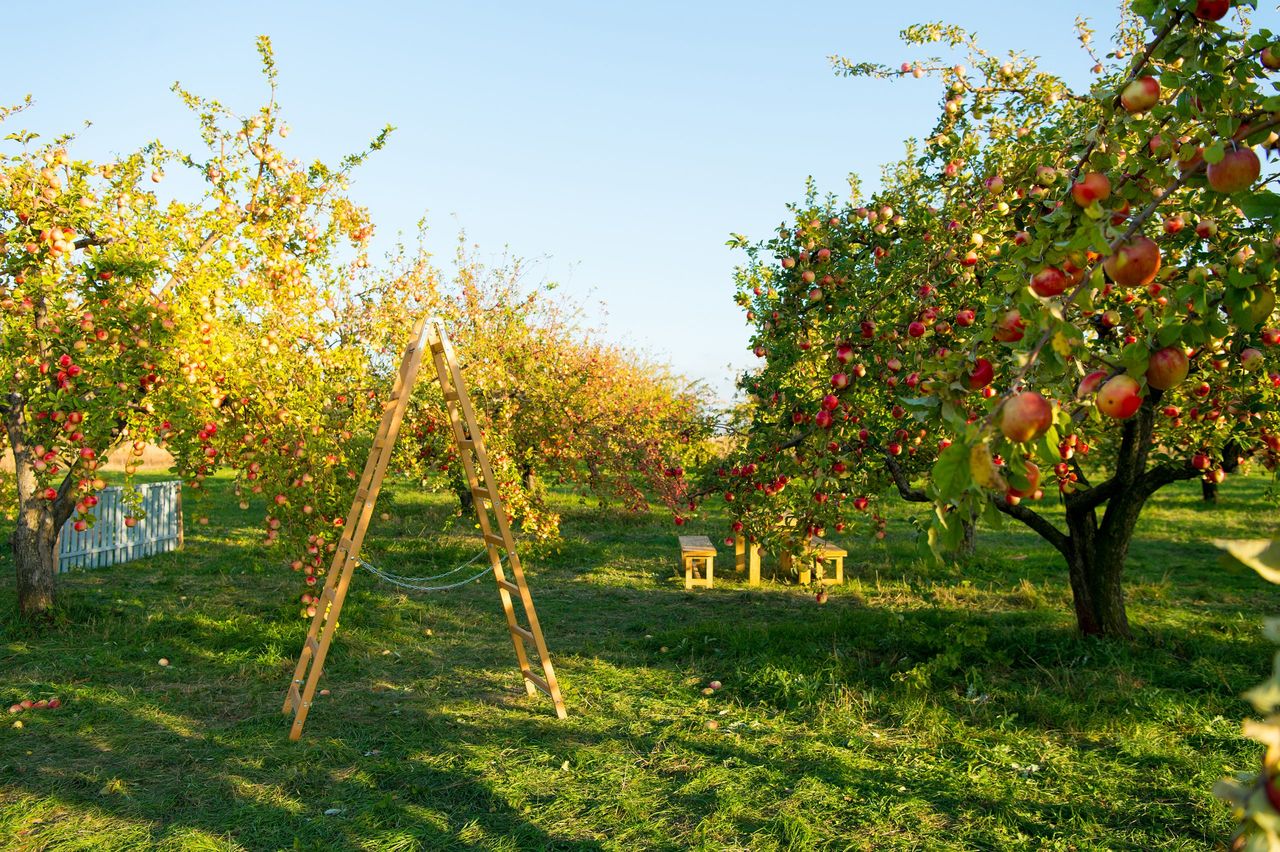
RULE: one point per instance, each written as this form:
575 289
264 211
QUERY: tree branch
910 494
1040 525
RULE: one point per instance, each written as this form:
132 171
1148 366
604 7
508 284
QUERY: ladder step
295 697
329 596
345 545
509 586
521 632
362 494
537 681
496 540
483 493
467 444
437 348
451 395
312 645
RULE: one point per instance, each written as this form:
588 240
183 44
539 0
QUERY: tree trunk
530 478
1095 567
34 541
1230 463
36 534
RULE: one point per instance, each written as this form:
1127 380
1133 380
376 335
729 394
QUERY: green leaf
1214 153
1260 205
951 471
1261 555
1169 334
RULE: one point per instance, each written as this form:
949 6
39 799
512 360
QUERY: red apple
1011 328
1167 368
1090 383
1135 263
1140 95
1120 397
965 317
1270 57
1211 10
1093 186
1026 416
1033 480
1048 282
1236 171
1251 359
916 329
982 374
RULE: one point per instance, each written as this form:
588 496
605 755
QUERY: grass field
921 708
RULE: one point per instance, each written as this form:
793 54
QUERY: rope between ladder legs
416 583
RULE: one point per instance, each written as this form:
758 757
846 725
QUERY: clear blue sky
623 142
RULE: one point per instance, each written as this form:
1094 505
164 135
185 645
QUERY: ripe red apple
1090 383
1211 10
982 374
916 329
1236 171
1167 368
1011 328
1135 263
844 353
1251 359
1140 95
840 381
965 317
1093 186
1206 228
1026 416
1120 397
1032 479
1049 282
1201 461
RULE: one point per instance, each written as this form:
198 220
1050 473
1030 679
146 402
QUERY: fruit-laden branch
1134 71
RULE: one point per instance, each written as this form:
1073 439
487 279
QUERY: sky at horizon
617 144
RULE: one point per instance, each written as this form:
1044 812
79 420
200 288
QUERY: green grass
922 708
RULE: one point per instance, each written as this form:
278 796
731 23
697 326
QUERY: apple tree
1057 291
126 315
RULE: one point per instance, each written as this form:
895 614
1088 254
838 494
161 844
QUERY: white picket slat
110 542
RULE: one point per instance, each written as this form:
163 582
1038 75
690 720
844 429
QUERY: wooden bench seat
695 548
820 552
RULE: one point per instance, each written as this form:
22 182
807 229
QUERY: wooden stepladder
428 335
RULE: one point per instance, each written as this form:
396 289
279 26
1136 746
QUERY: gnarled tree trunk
1095 550
35 536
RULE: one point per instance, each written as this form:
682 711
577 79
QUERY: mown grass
921 708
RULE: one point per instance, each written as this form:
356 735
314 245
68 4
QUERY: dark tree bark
35 535
1230 462
1096 549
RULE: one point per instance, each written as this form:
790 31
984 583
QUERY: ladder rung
496 540
312 645
437 348
509 586
537 681
362 494
450 395
295 697
521 632
483 493
467 443
330 595
344 545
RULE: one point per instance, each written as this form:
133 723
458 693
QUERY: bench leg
840 570
711 561
784 562
805 577
753 571
739 553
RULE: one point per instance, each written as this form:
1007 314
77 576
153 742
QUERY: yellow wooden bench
820 552
694 548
